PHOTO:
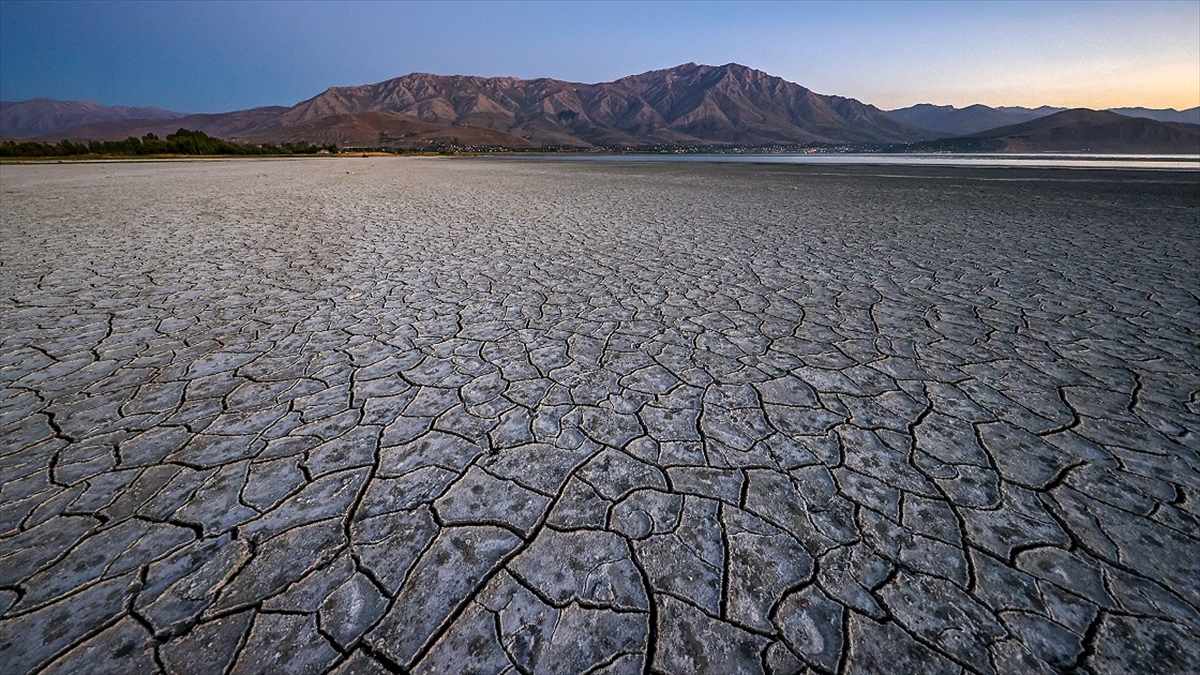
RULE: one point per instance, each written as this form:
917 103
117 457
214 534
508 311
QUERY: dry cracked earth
417 416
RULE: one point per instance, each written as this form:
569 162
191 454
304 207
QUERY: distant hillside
950 121
946 120
232 125
1189 116
1084 130
43 116
1033 113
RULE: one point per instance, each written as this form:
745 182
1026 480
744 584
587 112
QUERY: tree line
182 142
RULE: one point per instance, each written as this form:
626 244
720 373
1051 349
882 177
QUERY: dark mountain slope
378 129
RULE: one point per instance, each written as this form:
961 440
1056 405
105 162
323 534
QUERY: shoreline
1048 160
865 168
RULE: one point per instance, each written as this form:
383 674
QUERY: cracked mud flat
428 416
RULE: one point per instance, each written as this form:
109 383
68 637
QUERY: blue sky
216 56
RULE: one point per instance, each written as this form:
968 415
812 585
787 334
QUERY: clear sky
214 56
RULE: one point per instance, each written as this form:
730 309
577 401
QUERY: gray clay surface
424 415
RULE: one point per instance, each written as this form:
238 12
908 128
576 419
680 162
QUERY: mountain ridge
692 103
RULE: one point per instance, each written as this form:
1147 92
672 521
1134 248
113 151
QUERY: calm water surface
1079 161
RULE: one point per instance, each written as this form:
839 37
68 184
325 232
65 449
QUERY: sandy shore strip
372 415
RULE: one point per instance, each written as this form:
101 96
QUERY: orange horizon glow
1176 86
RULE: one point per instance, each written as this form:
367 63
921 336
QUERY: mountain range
688 105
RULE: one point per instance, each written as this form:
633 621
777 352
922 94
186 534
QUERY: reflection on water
1029 161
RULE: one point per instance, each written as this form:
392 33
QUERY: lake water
1028 161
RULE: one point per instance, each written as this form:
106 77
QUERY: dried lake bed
454 415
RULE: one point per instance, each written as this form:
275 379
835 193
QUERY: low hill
1083 130
378 129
